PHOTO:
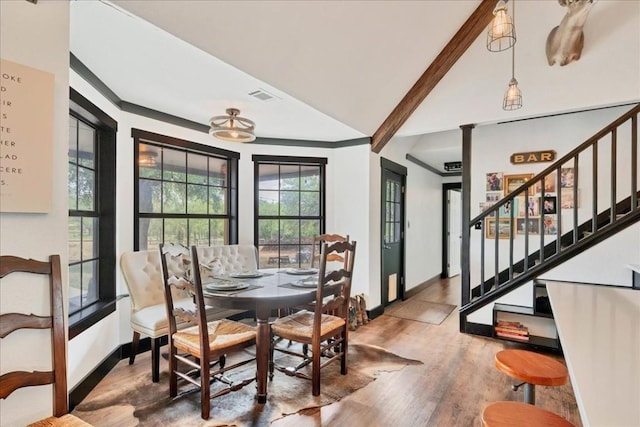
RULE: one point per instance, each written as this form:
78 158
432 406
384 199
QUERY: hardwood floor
451 388
457 380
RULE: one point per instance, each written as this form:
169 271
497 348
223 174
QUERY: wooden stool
531 368
509 414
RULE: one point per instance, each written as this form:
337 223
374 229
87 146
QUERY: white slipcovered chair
143 275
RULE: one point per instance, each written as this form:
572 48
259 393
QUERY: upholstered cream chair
228 258
143 275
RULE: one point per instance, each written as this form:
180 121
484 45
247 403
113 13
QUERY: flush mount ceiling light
502 31
232 127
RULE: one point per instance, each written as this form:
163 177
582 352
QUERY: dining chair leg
205 388
272 345
315 373
155 360
134 347
344 347
173 377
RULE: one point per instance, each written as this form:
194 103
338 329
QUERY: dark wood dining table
273 290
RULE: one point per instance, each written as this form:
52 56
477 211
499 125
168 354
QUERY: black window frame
150 138
106 129
286 161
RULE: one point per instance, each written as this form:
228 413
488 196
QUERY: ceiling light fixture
232 127
513 97
502 31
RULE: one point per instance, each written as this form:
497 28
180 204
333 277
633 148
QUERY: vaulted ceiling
337 69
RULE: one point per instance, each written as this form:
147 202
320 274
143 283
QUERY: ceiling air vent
262 95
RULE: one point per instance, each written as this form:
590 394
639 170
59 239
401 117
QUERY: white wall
347 213
36 36
423 216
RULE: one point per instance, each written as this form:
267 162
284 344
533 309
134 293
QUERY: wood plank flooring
451 388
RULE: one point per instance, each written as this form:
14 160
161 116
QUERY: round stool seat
532 368
509 414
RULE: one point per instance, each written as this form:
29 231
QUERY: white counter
599 328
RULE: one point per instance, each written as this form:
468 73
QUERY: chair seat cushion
299 326
67 420
152 321
222 334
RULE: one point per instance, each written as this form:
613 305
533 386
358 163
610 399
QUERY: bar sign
533 157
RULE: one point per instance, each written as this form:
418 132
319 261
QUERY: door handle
386 246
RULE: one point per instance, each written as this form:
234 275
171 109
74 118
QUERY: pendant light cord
513 50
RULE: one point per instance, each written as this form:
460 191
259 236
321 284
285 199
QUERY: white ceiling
338 68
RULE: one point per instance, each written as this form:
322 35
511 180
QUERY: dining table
263 291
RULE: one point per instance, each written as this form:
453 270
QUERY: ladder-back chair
197 346
11 322
315 328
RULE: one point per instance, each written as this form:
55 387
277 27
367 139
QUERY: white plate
246 274
307 283
302 270
226 286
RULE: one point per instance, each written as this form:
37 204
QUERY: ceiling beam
456 47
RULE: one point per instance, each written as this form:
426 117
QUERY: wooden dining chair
11 322
327 238
201 345
315 328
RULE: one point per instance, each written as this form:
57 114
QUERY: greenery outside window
186 192
289 208
91 223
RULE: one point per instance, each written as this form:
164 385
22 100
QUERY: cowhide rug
133 400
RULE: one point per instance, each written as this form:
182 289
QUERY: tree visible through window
290 209
84 218
186 193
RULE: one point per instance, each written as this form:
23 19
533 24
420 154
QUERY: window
91 223
289 208
186 192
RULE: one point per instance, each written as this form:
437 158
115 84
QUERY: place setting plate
228 286
301 271
309 282
245 274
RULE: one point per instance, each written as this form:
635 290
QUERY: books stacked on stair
512 330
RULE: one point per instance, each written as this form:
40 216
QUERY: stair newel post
526 229
614 173
576 180
634 162
482 243
496 251
594 187
558 209
467 131
511 237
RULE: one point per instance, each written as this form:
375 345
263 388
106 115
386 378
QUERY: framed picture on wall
512 182
512 205
528 226
549 205
550 224
494 181
504 228
566 199
549 185
533 206
566 177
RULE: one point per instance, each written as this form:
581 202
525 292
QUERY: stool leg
530 393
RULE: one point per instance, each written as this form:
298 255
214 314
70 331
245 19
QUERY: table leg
530 393
263 343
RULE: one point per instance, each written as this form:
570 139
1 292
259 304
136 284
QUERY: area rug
421 311
133 400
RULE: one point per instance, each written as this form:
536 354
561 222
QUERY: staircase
512 251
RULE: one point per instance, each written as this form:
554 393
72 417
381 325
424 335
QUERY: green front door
392 251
